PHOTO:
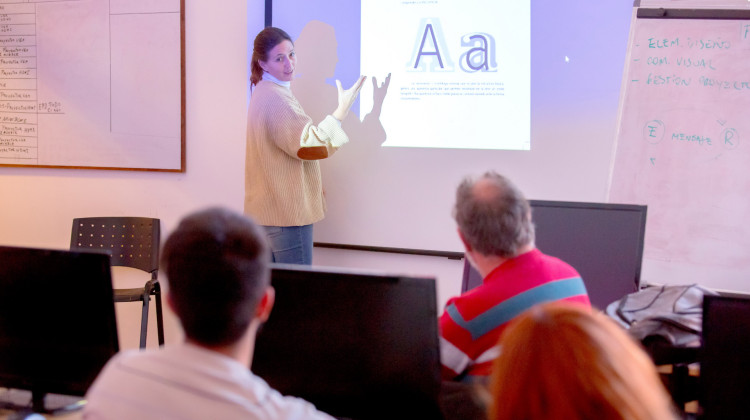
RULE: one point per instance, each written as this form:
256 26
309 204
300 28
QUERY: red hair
563 361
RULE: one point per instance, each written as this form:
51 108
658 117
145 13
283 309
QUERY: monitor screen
57 319
356 344
724 366
603 241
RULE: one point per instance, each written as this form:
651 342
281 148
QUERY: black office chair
130 242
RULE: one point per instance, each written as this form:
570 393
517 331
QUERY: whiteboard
92 84
683 144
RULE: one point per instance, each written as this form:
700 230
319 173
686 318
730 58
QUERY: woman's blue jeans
290 244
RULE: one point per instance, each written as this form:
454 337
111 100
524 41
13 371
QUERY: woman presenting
283 186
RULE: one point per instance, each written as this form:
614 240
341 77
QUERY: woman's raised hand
347 97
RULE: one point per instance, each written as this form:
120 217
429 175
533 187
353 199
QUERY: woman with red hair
563 361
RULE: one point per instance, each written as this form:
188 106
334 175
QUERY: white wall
590 185
38 205
447 272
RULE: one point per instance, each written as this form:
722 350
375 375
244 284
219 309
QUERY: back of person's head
217 269
563 361
493 216
264 42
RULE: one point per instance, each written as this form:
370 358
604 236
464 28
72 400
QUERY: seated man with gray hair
495 226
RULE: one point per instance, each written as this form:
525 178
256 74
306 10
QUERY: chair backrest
130 241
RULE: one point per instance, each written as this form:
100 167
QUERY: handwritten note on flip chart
683 148
92 84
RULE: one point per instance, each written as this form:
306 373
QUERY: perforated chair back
130 242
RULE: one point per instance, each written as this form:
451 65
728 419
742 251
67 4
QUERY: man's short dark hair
216 263
493 215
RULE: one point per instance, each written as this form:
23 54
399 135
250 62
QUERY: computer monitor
603 241
57 321
724 364
357 344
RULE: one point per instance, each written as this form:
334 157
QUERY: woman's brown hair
264 42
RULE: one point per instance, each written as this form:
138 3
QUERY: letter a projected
430 52
482 56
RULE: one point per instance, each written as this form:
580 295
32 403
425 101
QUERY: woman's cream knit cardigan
283 186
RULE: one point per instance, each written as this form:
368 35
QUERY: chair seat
129 295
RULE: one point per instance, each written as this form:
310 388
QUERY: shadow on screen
356 344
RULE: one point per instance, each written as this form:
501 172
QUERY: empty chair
130 242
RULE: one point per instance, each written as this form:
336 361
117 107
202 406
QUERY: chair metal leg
144 321
159 318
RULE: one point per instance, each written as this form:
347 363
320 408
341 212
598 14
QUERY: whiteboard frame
182 167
